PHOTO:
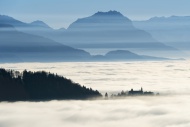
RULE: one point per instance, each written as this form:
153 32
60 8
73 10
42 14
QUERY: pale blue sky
60 13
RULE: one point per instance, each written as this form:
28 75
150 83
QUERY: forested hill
40 86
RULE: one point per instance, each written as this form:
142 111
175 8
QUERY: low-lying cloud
170 109
159 111
167 77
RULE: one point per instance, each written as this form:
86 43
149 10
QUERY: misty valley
103 70
169 78
37 42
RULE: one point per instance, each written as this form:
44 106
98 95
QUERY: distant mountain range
17 46
173 31
101 30
109 30
21 25
123 55
27 47
37 41
36 28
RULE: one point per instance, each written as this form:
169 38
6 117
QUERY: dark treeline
37 86
132 93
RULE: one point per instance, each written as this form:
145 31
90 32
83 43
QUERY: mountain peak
39 23
5 18
122 54
119 52
110 20
109 13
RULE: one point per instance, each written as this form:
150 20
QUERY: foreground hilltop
38 86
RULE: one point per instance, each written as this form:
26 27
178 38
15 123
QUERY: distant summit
101 30
11 21
4 18
125 55
40 24
110 30
122 54
111 20
109 13
36 28
30 48
173 31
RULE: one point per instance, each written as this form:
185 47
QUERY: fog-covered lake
171 109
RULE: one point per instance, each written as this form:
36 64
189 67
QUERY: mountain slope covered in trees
37 86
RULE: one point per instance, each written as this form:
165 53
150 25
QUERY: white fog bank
168 111
171 109
166 77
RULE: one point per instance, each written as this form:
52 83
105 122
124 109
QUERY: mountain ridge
109 13
173 30
125 55
40 86
40 24
105 18
97 32
36 48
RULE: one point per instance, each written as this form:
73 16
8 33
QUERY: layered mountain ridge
35 48
35 40
98 30
173 30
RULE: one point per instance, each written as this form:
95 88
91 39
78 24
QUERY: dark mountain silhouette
21 25
35 48
40 86
174 30
20 47
125 55
101 30
36 28
112 30
109 30
11 21
102 21
122 54
39 23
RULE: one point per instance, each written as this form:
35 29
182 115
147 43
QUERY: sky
61 13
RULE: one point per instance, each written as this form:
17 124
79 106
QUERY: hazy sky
60 13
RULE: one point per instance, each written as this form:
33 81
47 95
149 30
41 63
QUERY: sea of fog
170 109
